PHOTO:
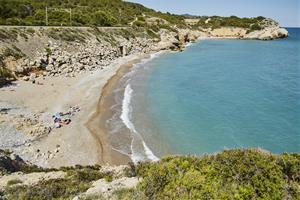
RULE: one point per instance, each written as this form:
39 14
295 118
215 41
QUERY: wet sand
97 123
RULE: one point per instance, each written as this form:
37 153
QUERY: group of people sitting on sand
61 119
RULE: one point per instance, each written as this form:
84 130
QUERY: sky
286 12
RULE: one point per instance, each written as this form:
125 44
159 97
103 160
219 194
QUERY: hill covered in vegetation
105 13
83 12
233 174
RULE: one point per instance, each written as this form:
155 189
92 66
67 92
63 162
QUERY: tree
101 18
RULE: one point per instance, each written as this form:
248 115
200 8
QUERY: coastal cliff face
268 33
67 52
58 51
267 29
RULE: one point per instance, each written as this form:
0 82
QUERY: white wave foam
126 109
125 117
189 44
149 153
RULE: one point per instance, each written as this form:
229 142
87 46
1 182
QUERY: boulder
25 78
282 33
268 33
32 77
10 163
20 69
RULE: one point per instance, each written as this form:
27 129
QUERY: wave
125 117
149 153
189 44
126 109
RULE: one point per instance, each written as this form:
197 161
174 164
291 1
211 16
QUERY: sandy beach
84 140
97 123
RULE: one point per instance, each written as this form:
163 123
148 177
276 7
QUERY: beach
84 141
79 83
97 123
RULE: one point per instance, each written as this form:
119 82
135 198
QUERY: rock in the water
268 33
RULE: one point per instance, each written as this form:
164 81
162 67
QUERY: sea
218 94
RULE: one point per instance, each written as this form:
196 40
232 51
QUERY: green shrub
8 34
78 179
167 27
85 175
141 18
14 52
66 34
152 34
235 174
101 18
13 182
30 31
126 194
51 189
48 51
255 27
139 23
108 178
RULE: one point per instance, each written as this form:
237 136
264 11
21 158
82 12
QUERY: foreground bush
234 174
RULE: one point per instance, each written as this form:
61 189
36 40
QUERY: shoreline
100 132
96 123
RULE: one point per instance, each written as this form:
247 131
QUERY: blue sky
286 12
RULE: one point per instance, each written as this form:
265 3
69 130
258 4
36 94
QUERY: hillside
87 13
109 13
233 174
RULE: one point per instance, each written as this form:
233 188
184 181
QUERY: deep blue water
221 94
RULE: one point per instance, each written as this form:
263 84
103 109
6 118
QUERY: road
77 27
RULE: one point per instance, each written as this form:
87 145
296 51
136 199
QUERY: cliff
268 33
67 51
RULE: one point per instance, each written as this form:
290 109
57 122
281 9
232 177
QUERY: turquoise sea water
220 94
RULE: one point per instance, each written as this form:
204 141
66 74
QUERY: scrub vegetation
232 174
105 13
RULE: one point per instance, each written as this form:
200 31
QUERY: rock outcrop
56 57
10 163
228 32
268 33
106 189
87 57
